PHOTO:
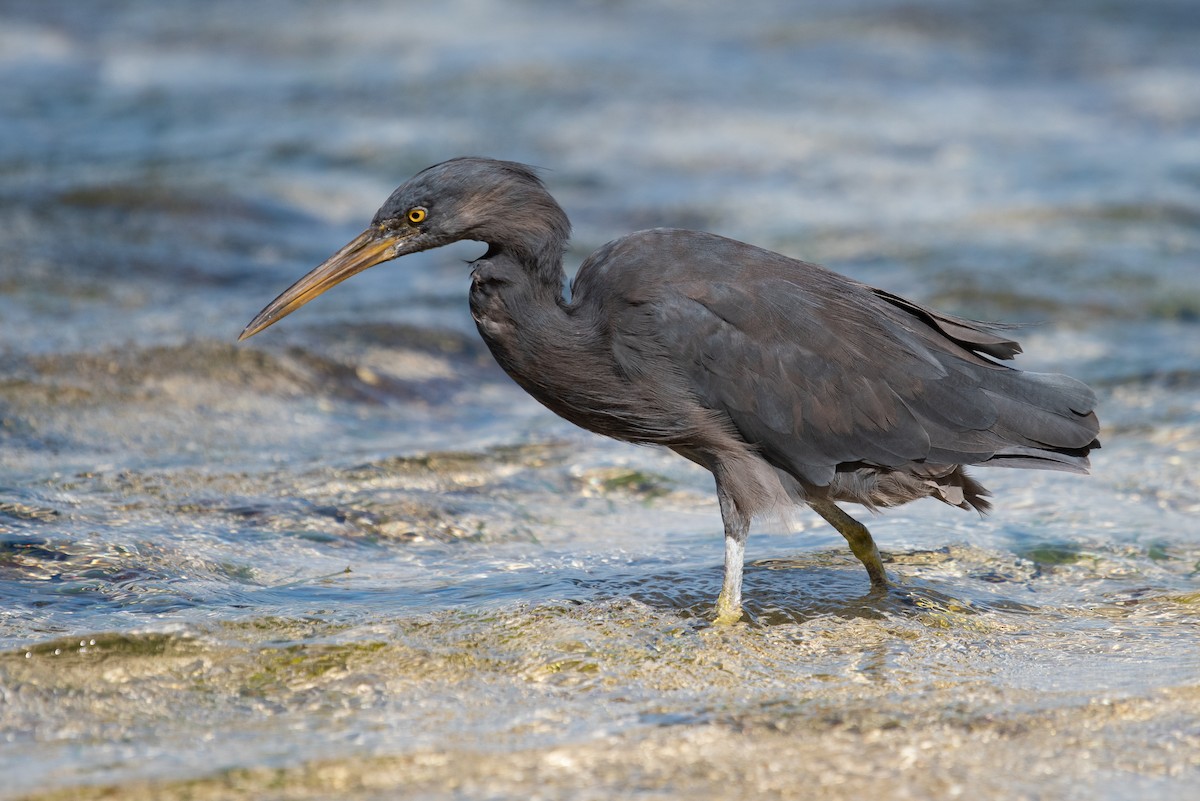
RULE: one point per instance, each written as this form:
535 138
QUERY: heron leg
859 538
729 602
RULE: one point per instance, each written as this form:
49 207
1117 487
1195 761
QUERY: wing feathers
822 373
971 334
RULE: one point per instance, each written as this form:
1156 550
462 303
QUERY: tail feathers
1044 420
1025 424
1041 421
1075 461
1049 391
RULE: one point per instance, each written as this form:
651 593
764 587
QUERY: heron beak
371 247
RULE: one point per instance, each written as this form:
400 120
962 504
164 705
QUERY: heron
790 383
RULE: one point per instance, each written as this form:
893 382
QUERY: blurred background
351 559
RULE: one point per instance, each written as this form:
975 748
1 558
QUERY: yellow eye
416 215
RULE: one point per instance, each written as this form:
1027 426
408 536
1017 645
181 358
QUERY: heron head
465 198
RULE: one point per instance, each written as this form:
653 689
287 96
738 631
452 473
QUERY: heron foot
729 610
860 541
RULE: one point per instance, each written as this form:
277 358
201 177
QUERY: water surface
350 559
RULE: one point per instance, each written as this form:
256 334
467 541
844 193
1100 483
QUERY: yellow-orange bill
368 249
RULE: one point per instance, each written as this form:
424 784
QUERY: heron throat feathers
537 245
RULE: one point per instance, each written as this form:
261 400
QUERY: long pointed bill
371 247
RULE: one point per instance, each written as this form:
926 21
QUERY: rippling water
351 559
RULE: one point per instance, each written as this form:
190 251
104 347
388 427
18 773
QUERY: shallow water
351 559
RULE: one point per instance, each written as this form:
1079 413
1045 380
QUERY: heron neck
540 263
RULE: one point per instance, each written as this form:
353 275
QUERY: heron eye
416 215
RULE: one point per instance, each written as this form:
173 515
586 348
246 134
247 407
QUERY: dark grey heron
790 383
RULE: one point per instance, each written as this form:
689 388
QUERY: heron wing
818 370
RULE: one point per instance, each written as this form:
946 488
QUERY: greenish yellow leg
859 538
